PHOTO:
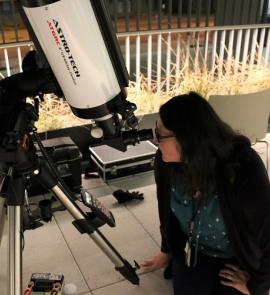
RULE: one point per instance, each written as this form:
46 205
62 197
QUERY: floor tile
150 284
102 191
45 251
146 211
91 183
128 237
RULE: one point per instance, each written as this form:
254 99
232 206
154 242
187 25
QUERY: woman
214 203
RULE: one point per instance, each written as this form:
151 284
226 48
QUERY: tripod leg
15 198
78 215
15 250
83 225
2 217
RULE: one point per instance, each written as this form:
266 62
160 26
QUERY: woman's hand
160 260
235 278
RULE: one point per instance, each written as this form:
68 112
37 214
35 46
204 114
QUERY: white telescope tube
70 37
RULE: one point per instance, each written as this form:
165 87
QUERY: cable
29 289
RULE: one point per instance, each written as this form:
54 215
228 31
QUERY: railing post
214 52
178 57
237 53
230 53
267 51
159 45
138 63
261 44
127 53
221 53
19 54
168 62
253 48
7 62
149 62
245 52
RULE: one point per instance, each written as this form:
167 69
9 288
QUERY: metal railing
159 54
11 57
141 15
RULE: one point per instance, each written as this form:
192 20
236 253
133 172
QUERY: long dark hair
204 138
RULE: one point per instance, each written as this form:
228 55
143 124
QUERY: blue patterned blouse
209 235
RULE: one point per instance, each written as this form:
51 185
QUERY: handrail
194 30
163 31
158 32
16 44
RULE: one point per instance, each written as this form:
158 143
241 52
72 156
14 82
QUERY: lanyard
195 208
196 205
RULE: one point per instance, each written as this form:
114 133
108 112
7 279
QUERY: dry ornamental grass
227 77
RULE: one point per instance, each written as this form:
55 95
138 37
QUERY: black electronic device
98 208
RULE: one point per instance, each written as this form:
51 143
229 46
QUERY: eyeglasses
160 137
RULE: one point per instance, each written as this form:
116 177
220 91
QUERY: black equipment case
67 159
112 163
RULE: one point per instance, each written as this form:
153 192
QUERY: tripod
19 161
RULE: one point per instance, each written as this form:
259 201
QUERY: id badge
188 253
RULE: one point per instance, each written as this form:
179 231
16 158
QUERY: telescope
78 43
77 57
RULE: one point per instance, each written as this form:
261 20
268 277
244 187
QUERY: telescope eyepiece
135 136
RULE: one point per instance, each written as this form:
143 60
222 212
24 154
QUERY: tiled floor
57 247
